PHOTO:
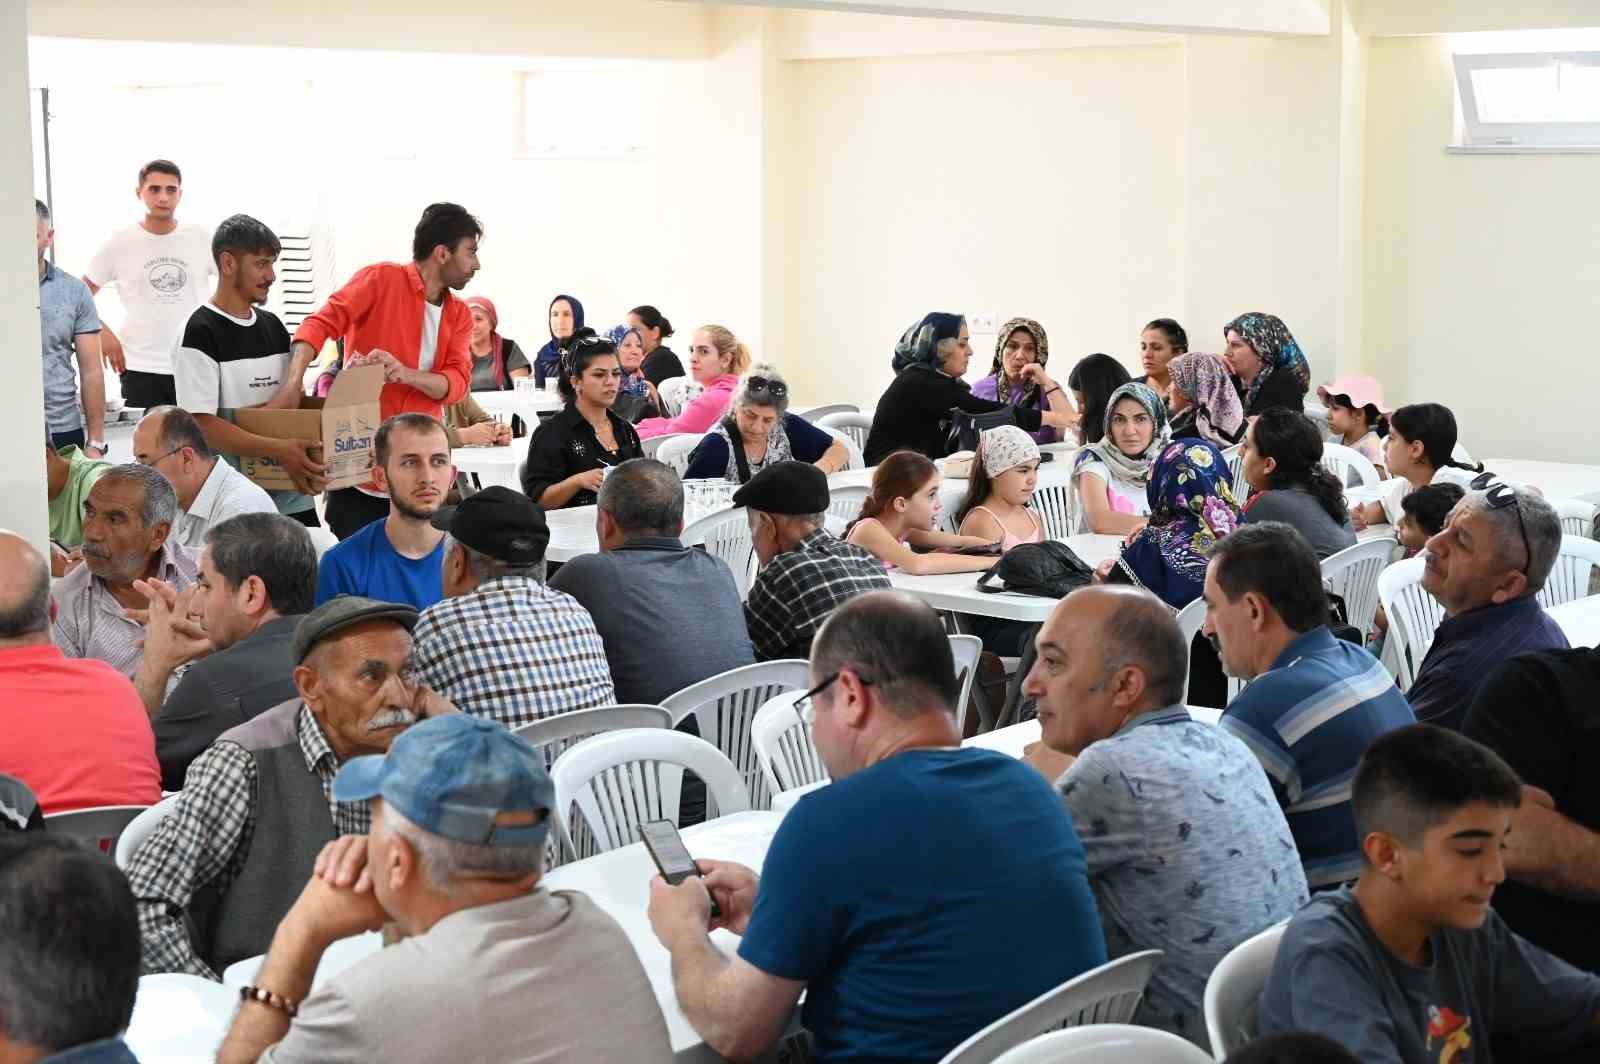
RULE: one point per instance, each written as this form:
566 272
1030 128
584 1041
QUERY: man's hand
171 636
339 900
1049 763
63 562
680 912
394 371
343 863
111 352
429 703
734 887
310 476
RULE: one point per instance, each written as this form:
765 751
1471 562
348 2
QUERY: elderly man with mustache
213 881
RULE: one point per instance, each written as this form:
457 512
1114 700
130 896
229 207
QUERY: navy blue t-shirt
367 564
922 899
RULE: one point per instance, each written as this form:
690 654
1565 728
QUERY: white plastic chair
323 540
1234 988
783 746
675 393
1343 461
852 423
653 444
815 414
1414 616
857 459
1107 994
1569 579
966 649
1352 574
845 503
554 734
951 494
142 827
1054 501
1106 1043
100 826
1235 457
1190 620
618 780
725 535
674 450
1576 515
725 708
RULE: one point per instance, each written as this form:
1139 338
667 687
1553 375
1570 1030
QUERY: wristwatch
99 445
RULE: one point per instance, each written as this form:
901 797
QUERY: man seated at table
223 867
69 953
1313 703
928 891
806 572
493 966
258 574
1485 568
209 490
670 615
399 558
128 520
1188 851
502 645
1412 964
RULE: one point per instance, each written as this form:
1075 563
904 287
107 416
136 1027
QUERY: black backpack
1050 570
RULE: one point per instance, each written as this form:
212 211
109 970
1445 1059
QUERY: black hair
979 485
1293 441
240 234
653 319
69 943
1276 562
577 355
1414 777
1430 505
1096 376
41 211
1174 333
1433 426
895 642
414 421
1376 421
180 429
1293 1047
273 547
446 224
159 166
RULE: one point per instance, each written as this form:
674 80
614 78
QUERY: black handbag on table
1050 570
965 428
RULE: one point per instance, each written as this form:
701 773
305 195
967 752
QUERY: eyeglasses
1500 495
152 462
756 386
805 705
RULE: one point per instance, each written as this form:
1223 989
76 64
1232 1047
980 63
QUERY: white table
1580 620
528 403
493 465
179 1019
958 592
1558 480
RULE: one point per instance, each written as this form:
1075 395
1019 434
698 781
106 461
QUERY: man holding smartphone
922 863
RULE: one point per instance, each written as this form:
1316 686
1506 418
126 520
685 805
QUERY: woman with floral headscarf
496 361
914 412
1021 343
1269 369
1111 477
1202 400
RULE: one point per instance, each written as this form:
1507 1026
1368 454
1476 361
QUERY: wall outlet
983 324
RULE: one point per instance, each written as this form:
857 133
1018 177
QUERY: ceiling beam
1407 18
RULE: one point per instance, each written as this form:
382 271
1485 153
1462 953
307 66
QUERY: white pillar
22 480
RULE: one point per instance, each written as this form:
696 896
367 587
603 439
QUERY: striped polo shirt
1308 719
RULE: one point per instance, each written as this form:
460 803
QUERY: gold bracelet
269 999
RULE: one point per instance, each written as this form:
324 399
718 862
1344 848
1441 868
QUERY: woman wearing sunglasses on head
759 431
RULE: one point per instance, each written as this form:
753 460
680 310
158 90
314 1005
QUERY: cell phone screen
666 848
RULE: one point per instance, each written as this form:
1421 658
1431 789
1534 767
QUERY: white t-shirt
160 280
1400 487
431 316
1123 496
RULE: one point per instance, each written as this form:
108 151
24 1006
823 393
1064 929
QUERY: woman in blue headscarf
1269 369
566 318
1191 507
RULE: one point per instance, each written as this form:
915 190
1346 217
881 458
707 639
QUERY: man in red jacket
404 318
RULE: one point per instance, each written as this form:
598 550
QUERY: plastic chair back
784 747
725 707
857 459
1353 468
1569 578
1235 457
852 423
1055 504
815 414
1190 620
966 649
951 494
1235 987
674 451
1576 515
845 503
554 734
1414 616
142 827
1107 994
99 827
1352 574
1105 1043
653 444
725 535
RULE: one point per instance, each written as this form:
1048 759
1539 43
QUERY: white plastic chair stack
1234 987
725 535
783 746
857 459
1106 1043
141 828
612 783
1352 467
966 650
654 443
99 827
1352 574
1577 517
725 708
852 423
1054 501
815 414
1414 616
1108 994
1569 579
675 450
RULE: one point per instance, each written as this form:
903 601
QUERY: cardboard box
346 422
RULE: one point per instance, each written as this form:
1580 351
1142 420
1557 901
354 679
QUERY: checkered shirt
514 651
798 589
206 839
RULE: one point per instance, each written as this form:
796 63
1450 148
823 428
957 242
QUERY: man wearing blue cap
492 968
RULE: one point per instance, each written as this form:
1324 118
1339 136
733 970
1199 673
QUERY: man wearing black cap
213 880
501 644
806 572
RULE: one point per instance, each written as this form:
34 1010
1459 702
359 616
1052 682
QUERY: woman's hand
1133 534
479 435
1103 570
587 481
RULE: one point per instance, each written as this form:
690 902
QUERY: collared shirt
66 312
566 444
797 590
206 840
105 1051
514 651
1187 850
1467 645
91 623
1308 719
226 493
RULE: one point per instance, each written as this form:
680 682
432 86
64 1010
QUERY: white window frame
1477 135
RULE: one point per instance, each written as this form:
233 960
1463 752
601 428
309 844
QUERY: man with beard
399 558
127 536
219 873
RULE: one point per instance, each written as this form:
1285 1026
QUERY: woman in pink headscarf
496 361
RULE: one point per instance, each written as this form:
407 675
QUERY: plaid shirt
206 839
514 651
796 591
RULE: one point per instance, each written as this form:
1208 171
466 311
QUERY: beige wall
1481 270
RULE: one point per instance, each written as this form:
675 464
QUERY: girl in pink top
902 511
716 359
1005 472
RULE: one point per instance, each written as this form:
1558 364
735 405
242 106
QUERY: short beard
411 512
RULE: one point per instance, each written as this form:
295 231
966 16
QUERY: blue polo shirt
1308 719
367 564
1467 646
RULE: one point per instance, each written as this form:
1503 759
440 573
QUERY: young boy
1411 964
1424 512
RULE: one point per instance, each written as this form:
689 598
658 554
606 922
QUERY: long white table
1558 480
958 592
179 1019
527 403
493 465
1579 620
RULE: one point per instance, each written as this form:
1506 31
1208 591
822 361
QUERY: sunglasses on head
1500 496
758 386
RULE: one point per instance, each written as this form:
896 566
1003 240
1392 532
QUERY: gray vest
292 824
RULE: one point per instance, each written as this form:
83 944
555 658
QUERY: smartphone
666 848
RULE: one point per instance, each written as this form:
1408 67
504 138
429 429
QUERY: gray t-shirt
669 615
66 312
1188 852
1300 509
1333 976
